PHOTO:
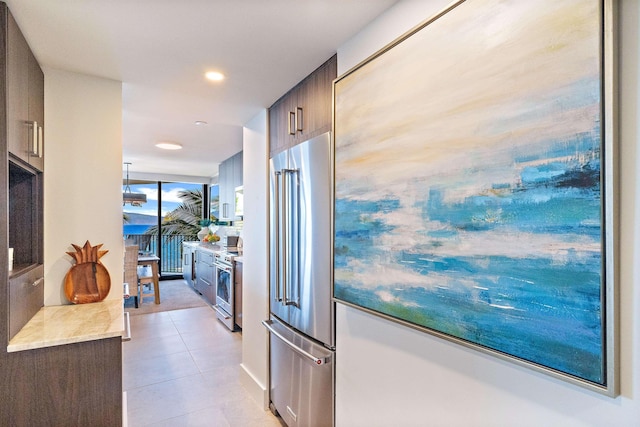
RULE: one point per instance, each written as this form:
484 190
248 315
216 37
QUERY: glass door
169 217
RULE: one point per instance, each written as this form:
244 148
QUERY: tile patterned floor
182 368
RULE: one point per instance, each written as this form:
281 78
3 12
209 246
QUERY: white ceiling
160 50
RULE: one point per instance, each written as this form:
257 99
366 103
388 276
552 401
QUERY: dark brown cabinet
305 111
78 384
36 114
282 125
26 294
25 99
22 172
72 384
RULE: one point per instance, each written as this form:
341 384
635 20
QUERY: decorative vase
203 233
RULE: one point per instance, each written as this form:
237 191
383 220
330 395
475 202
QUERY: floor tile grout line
187 346
155 384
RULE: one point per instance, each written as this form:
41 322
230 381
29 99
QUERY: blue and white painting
468 195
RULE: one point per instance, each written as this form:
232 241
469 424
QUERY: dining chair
131 271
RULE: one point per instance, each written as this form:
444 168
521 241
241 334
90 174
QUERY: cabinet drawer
26 297
205 257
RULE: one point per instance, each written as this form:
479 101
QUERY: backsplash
230 230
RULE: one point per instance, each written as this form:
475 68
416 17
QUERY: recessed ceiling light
169 145
201 123
216 76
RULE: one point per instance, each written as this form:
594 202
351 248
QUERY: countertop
209 247
67 324
212 248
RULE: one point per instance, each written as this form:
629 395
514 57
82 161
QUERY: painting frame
346 87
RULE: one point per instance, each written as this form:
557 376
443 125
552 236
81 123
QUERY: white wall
255 293
389 375
83 175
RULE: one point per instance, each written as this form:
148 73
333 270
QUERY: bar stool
148 280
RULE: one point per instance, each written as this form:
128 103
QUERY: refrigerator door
302 375
308 285
277 167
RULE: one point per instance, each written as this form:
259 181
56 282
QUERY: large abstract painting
470 184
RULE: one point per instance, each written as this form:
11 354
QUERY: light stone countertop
209 247
67 324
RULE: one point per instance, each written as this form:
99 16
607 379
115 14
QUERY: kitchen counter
66 324
214 248
209 247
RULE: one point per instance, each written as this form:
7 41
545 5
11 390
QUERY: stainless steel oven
223 263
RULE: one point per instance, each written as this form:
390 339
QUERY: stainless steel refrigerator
301 324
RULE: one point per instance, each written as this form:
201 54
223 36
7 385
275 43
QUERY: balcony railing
171 255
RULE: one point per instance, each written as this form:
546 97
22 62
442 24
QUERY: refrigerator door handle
315 360
278 241
284 236
291 237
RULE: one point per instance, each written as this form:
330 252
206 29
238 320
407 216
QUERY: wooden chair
131 270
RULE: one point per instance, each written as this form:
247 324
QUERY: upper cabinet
305 111
25 99
36 113
229 178
22 234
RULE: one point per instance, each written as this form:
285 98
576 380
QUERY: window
169 217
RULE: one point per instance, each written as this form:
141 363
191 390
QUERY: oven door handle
223 267
221 312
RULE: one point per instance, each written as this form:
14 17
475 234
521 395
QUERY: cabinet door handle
292 125
127 327
33 138
298 119
38 281
40 142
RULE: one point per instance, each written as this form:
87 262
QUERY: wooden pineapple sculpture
88 280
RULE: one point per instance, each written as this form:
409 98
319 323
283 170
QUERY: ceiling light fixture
215 76
134 199
169 145
201 123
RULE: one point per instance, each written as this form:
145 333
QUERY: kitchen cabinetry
76 384
229 177
21 183
205 275
25 99
305 111
26 295
64 375
73 384
189 262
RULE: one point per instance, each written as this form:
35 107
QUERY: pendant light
134 199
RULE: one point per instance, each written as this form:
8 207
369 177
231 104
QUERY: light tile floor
182 368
